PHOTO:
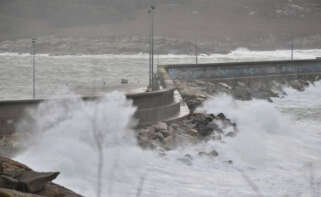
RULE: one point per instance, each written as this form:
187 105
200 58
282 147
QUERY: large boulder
35 181
194 100
19 177
12 193
54 190
296 84
204 124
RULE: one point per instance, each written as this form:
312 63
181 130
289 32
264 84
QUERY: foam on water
276 152
63 141
238 53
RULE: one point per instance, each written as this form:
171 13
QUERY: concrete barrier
235 70
152 99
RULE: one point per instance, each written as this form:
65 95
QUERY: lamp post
196 52
195 13
33 68
151 48
292 48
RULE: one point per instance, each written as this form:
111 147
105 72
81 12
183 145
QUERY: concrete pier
167 104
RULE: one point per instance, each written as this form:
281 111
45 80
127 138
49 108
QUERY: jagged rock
239 83
200 83
187 159
229 162
17 176
204 130
213 153
193 129
225 85
27 181
221 116
241 93
202 153
296 85
188 156
230 134
158 136
54 190
205 125
210 154
194 100
304 83
13 193
202 118
166 133
217 137
193 132
161 126
144 141
11 165
35 181
169 142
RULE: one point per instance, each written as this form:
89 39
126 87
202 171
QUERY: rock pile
17 180
197 91
193 129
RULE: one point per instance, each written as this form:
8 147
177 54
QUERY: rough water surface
92 74
276 152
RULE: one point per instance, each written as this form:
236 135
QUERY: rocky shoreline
197 91
193 129
17 179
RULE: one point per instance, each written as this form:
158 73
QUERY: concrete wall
151 107
244 69
152 99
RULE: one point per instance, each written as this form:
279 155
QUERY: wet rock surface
193 129
16 179
13 193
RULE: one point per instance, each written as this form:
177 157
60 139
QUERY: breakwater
238 70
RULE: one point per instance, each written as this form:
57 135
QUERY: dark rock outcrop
213 153
16 176
195 128
13 193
